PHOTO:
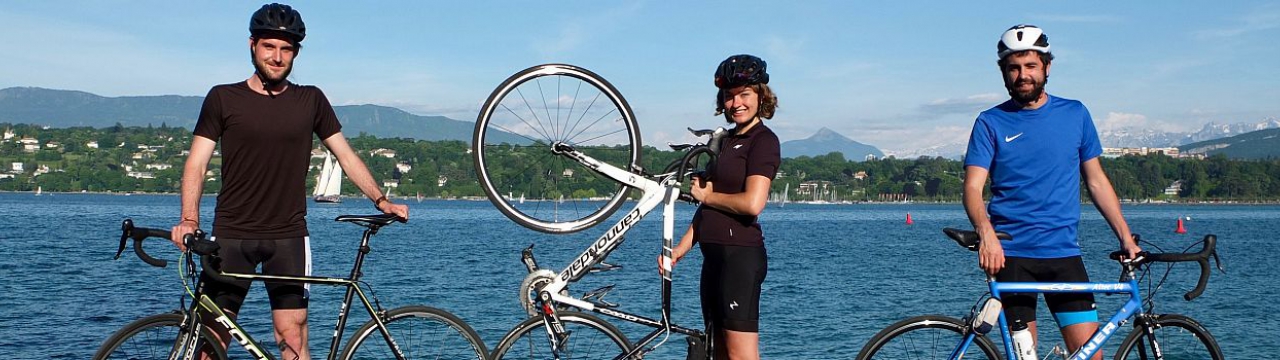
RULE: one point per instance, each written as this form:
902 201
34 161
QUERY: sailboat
39 191
329 182
786 191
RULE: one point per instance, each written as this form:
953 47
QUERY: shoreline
772 204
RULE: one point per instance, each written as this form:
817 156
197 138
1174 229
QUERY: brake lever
126 228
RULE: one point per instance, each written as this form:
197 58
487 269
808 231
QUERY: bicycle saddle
969 239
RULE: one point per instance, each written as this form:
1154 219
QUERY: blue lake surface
837 273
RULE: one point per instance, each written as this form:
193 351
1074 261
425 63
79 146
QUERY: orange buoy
1181 229
909 222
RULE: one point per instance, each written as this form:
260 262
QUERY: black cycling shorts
289 257
731 279
1021 307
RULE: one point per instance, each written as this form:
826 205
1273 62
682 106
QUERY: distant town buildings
1141 151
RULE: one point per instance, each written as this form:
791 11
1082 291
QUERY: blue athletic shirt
1034 159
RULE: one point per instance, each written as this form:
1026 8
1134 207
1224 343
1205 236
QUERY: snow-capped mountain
1134 137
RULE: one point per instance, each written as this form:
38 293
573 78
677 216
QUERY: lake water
837 273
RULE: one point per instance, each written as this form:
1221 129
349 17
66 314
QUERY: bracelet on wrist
377 203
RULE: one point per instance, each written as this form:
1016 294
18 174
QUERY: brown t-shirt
266 150
755 153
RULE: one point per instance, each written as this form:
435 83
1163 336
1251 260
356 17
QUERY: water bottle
1023 344
987 317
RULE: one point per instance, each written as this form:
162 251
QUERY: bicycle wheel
1178 337
925 337
589 338
153 337
421 333
516 127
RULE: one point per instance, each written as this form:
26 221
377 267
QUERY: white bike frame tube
653 195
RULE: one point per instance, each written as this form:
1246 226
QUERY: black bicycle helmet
739 70
278 18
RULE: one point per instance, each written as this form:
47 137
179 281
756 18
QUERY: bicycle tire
509 151
152 337
925 346
528 340
1179 337
451 338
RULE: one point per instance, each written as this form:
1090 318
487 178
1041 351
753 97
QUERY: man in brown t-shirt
265 125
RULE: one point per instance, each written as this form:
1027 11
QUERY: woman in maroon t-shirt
732 194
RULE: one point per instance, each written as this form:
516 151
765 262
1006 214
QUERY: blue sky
897 75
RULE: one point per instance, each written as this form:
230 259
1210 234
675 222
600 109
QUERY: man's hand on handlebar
184 227
1131 247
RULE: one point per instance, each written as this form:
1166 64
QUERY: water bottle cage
597 297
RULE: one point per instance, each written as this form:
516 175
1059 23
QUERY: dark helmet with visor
739 70
278 19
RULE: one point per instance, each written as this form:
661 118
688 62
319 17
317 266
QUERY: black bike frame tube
351 291
206 307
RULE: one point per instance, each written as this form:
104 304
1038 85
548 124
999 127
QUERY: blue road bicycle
1154 336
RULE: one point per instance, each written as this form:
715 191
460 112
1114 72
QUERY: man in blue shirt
1036 147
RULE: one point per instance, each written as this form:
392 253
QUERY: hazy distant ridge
67 108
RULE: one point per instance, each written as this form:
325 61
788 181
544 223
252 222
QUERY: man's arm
192 188
1105 199
359 174
990 252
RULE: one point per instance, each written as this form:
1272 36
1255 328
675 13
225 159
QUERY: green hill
68 108
1261 144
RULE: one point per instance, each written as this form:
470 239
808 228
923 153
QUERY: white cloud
1119 120
970 105
1080 18
1263 19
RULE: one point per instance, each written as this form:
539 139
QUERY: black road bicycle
409 332
550 134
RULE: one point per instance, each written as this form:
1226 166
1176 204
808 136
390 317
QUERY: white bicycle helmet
1021 38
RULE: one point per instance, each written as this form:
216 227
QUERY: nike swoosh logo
733 306
737 146
1011 138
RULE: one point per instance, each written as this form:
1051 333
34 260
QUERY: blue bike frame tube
963 347
1105 330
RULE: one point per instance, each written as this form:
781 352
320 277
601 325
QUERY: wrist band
377 203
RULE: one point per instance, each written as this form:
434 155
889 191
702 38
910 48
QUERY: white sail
329 182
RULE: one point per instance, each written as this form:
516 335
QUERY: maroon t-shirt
754 153
266 150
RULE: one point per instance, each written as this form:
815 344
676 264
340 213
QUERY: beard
1026 97
266 77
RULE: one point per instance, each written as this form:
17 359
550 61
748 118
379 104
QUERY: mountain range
69 108
1136 137
1261 144
826 141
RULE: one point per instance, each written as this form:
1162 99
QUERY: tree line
154 157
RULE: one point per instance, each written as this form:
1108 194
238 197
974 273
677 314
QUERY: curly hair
768 101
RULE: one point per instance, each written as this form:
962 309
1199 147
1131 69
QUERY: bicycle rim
925 337
1179 338
515 129
153 337
589 338
420 333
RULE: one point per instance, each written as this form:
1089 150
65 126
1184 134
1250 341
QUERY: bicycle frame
227 325
1131 308
665 193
